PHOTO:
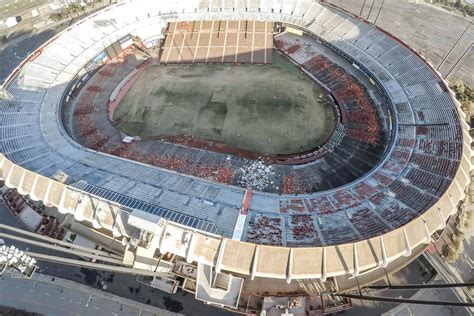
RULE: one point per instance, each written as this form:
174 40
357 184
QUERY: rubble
256 175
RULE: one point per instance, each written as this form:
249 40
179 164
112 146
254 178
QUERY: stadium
258 147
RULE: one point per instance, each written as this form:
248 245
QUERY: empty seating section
430 182
302 231
393 211
336 228
384 188
266 229
367 221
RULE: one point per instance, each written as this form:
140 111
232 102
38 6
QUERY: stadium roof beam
384 262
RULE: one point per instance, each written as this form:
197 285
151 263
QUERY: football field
269 109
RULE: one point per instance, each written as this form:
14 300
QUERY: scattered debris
256 175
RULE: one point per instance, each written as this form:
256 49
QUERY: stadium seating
362 185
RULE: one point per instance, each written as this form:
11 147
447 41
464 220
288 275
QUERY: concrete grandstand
390 176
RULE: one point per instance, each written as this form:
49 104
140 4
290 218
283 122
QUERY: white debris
255 175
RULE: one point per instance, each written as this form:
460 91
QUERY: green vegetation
75 10
453 250
460 5
465 95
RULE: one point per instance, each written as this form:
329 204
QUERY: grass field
269 109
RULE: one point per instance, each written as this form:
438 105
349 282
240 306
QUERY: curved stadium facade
381 215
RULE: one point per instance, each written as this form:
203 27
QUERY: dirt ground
269 109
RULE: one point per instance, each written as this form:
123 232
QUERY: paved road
51 296
18 7
14 51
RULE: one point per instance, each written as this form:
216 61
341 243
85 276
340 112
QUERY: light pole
370 11
362 8
380 9
455 44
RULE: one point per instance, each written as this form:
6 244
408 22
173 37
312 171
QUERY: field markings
253 43
172 42
182 43
210 41
225 40
197 43
237 45
265 52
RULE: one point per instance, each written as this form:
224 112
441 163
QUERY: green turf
263 108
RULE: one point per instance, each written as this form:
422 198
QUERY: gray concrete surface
19 7
430 29
54 296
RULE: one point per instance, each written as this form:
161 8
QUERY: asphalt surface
18 7
14 51
62 298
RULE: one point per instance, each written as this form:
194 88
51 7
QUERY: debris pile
256 175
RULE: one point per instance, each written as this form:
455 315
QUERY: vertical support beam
162 237
115 227
324 267
79 215
289 266
33 187
384 262
95 219
48 189
2 161
407 243
356 260
442 223
254 262
7 178
20 184
220 255
61 209
427 231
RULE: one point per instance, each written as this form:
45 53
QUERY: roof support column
2 161
384 262
324 268
20 184
190 250
33 187
427 231
115 227
289 266
407 243
255 262
356 260
62 209
442 223
453 205
7 178
220 255
95 220
46 195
